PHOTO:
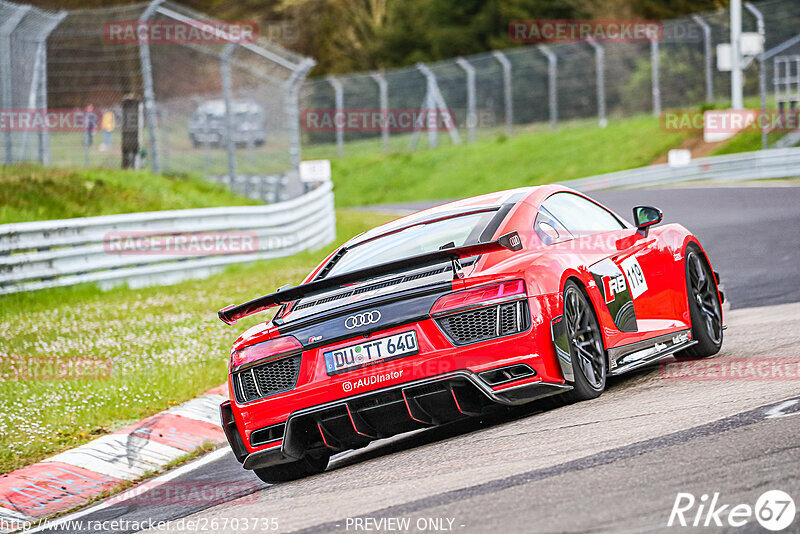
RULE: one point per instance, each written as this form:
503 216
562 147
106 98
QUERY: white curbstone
204 408
120 456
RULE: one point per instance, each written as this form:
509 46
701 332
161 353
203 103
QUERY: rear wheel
310 465
585 345
705 309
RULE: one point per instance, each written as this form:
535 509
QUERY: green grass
741 142
746 142
164 345
529 158
749 140
32 193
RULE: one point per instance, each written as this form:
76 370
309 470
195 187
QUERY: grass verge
163 346
34 193
746 142
532 157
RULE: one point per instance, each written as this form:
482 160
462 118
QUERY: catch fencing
238 112
160 247
507 91
220 105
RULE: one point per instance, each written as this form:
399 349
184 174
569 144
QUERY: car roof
490 201
217 107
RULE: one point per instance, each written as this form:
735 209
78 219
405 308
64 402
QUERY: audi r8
500 299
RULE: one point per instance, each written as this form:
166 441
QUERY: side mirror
646 216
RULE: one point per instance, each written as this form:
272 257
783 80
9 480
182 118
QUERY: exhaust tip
503 375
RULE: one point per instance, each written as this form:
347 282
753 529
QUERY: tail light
471 299
267 350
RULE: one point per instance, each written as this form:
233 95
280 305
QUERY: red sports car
501 299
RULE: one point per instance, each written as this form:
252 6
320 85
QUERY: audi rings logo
362 319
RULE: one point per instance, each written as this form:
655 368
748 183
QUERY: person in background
107 124
91 125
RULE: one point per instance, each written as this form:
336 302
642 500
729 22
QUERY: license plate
371 352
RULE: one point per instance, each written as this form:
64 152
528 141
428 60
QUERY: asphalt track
615 464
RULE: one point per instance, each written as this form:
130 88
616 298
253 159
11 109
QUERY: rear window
415 240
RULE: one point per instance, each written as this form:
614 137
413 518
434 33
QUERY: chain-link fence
214 98
238 110
497 93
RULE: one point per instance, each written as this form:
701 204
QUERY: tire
589 361
308 466
705 309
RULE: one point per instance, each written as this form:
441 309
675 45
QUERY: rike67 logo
774 510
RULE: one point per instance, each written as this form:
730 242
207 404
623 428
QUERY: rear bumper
463 380
355 421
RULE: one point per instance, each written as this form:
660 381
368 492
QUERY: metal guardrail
42 254
266 188
745 166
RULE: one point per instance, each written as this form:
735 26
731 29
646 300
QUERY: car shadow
498 415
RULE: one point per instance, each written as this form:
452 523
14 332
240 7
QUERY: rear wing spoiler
231 314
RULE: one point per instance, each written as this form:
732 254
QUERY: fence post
552 83
225 69
338 92
737 76
762 74
149 92
383 95
654 75
164 121
708 56
472 115
33 95
428 107
507 96
599 61
762 93
434 102
6 30
41 94
291 92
